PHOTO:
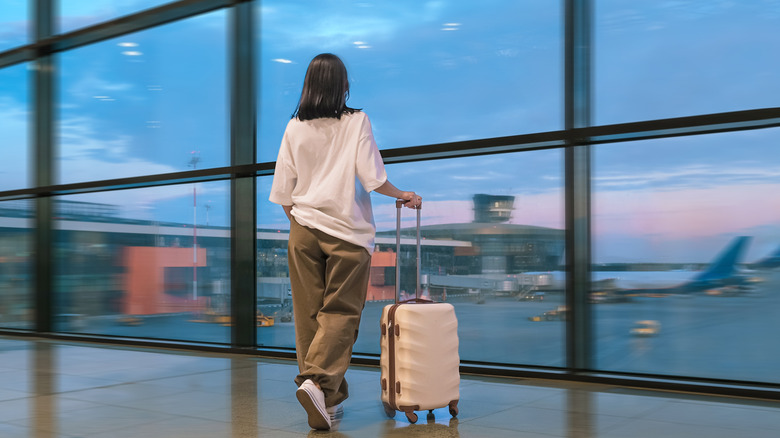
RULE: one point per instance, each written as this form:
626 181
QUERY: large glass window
75 14
16 222
669 59
684 233
154 265
14 23
14 127
425 72
492 230
146 103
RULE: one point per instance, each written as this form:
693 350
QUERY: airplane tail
725 264
771 261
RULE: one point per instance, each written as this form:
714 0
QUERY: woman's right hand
412 199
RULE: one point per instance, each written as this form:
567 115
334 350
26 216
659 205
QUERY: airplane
770 262
720 278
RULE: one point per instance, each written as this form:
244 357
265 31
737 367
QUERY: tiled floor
55 389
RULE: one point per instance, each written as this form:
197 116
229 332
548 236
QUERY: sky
429 72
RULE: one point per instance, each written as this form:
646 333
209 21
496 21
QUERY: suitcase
419 349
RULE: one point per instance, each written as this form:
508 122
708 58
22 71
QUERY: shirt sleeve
370 168
285 175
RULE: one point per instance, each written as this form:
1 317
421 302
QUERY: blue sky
430 72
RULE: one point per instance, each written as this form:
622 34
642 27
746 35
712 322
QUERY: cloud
691 212
289 26
87 156
688 176
90 85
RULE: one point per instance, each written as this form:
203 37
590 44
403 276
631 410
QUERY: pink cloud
686 213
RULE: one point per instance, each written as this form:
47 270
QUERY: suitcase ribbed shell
425 353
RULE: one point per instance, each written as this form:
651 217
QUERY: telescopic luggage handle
398 204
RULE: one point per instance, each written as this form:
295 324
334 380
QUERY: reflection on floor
68 390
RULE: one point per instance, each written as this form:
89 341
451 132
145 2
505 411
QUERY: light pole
194 159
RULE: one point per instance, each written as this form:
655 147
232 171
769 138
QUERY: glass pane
274 296
683 292
425 72
16 279
155 265
14 23
669 59
491 244
147 103
14 127
75 14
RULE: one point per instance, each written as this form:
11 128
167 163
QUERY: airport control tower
493 209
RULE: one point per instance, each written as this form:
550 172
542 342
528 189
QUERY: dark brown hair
325 89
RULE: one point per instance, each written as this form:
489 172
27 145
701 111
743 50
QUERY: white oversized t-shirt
326 169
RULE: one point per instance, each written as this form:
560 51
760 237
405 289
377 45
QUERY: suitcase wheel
431 417
412 417
390 412
454 408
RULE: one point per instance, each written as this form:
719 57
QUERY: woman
327 166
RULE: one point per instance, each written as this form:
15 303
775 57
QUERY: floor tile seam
123 370
731 403
284 398
111 405
713 404
72 395
542 399
600 414
155 379
168 417
91 388
739 429
467 420
172 417
17 398
288 379
133 406
460 423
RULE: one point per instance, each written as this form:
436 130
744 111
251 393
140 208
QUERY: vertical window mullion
243 189
43 79
577 65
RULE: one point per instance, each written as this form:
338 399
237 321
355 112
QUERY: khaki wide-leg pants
329 280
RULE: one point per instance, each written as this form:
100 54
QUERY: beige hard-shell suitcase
419 350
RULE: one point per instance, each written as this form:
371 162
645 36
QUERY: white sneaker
336 413
313 401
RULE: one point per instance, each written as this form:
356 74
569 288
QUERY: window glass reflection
75 14
670 59
686 232
425 72
14 23
16 276
155 264
14 127
492 241
146 103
